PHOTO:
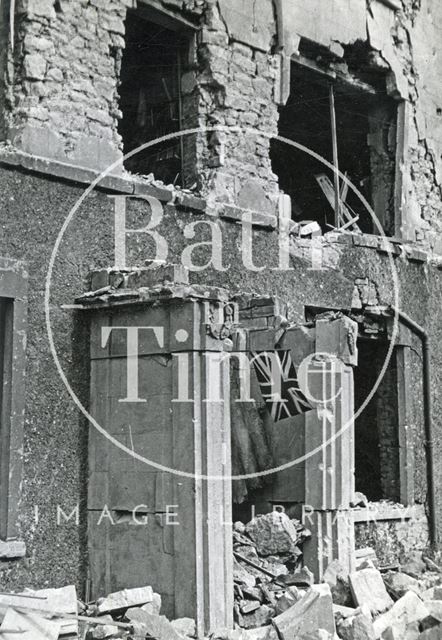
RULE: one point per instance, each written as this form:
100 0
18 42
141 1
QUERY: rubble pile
371 603
275 599
52 614
267 576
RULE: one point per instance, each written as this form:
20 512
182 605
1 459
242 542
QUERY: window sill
12 550
380 511
75 173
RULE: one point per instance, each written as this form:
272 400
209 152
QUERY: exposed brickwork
66 69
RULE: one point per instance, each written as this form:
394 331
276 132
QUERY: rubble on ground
268 574
275 599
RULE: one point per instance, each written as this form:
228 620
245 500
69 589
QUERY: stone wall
63 95
66 61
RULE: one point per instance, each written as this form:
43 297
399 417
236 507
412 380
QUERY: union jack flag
279 384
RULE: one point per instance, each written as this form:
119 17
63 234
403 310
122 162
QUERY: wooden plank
328 190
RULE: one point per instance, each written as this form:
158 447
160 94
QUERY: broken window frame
13 316
331 78
155 13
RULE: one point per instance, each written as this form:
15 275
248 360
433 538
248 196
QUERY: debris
359 500
106 631
185 627
157 627
154 606
287 600
125 599
273 533
399 583
337 578
314 611
405 612
434 593
343 612
239 527
364 555
260 617
46 601
435 633
357 627
242 576
367 587
249 607
29 625
302 577
431 566
414 565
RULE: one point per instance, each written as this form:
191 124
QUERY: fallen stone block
433 593
157 627
29 625
249 607
343 612
314 611
400 583
400 631
185 627
263 633
241 575
125 599
362 556
302 578
102 632
405 612
435 609
367 587
336 577
319 634
435 633
273 533
414 565
63 600
287 600
260 617
154 606
357 627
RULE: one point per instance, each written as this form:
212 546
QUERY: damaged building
274 169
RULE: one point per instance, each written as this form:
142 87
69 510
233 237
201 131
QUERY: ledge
396 247
75 173
381 512
12 550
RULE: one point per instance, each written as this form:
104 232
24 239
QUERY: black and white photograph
220 320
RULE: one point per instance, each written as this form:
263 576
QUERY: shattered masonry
66 81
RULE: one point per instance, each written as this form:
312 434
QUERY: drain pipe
429 442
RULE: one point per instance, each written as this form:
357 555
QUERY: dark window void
377 428
6 328
150 97
366 145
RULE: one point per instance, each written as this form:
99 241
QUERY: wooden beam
335 154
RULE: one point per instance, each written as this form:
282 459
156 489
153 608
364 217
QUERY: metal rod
335 154
21 595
